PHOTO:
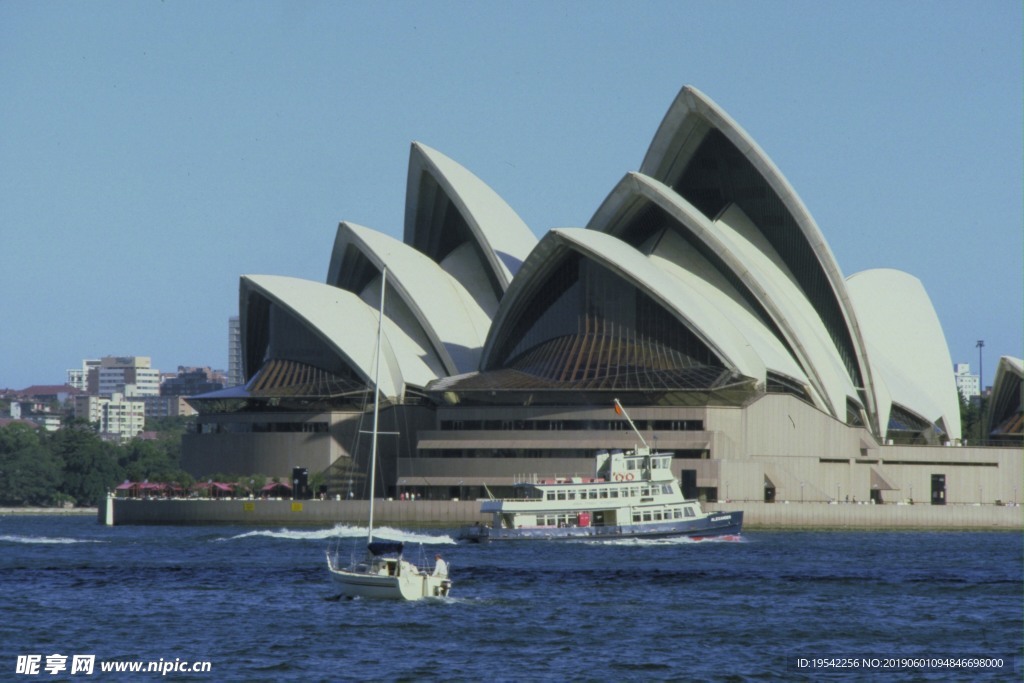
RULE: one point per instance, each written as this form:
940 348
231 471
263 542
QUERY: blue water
259 606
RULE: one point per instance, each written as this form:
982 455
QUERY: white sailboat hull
409 584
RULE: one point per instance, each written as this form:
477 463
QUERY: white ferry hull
713 525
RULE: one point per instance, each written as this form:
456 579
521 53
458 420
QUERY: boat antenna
376 404
622 411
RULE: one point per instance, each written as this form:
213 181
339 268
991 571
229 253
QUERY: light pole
837 492
981 394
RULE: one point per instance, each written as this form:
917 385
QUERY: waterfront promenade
453 513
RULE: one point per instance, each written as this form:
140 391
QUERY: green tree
17 436
143 460
90 464
970 419
29 476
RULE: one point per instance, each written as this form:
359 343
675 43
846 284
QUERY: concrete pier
452 513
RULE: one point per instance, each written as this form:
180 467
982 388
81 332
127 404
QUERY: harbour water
257 604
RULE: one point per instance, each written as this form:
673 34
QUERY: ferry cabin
629 489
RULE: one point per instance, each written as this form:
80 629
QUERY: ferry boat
632 494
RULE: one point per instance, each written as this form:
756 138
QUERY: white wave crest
46 540
671 540
345 531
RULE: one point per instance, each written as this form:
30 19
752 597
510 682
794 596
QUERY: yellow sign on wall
249 507
296 507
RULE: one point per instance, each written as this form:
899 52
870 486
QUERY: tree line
74 465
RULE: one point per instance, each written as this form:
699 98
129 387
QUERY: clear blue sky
153 152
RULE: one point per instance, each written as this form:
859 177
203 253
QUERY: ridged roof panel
907 345
503 240
449 316
694 120
701 316
344 323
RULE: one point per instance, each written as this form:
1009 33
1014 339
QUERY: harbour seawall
434 513
453 513
758 515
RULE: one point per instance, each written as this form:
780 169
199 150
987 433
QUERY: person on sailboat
440 566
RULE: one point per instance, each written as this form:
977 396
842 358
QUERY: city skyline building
128 375
967 383
234 352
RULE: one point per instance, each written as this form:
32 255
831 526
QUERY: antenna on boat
622 411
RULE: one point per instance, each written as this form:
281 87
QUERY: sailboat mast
376 404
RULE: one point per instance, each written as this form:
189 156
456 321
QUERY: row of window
605 492
573 425
524 453
262 427
662 516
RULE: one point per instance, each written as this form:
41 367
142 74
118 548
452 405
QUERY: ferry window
667 488
604 493
572 495
551 495
561 495
645 491
615 493
677 513
657 516
689 512
630 464
636 518
647 515
592 494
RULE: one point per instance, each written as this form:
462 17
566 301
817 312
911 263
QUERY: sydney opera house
701 294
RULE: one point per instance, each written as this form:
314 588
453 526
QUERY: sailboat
383 572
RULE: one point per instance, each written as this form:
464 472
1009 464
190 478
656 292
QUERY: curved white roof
1006 397
754 264
344 322
442 311
504 240
907 346
701 316
691 115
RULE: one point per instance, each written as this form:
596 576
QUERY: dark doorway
938 489
688 482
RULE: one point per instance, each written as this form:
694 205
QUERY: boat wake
345 531
46 540
673 540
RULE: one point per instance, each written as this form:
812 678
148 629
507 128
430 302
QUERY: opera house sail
701 293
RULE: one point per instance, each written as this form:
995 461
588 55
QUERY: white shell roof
794 313
764 275
907 346
341 319
502 235
453 323
693 113
703 317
